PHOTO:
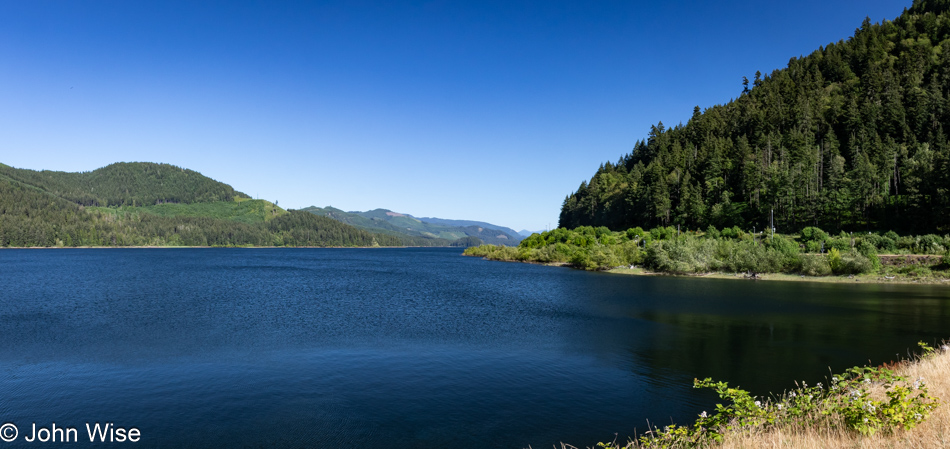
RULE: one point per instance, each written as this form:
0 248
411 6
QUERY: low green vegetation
812 252
863 400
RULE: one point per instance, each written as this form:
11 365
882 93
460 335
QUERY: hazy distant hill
466 223
138 204
394 223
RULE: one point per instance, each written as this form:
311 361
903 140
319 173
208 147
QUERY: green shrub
839 243
559 235
563 250
635 233
549 254
787 250
813 234
687 255
834 260
712 232
868 250
533 241
815 265
731 233
582 240
630 253
607 239
915 270
581 259
603 257
846 402
906 243
882 243
814 246
930 244
854 262
663 233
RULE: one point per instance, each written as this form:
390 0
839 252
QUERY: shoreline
786 277
780 277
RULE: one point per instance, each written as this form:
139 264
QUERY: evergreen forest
853 137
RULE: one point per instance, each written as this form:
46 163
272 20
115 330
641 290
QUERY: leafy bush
635 233
630 253
854 262
882 243
603 257
688 255
906 243
813 234
930 244
549 254
581 259
787 250
663 233
533 241
731 233
834 260
841 244
815 265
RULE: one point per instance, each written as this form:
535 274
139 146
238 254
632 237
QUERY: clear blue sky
481 110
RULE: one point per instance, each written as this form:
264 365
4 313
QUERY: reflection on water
409 347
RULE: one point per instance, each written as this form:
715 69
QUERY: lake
409 347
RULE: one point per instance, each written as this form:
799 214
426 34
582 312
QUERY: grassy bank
811 253
902 406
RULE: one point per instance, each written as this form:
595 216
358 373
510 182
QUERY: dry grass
934 432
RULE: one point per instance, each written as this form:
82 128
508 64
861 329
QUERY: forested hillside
126 184
851 137
182 208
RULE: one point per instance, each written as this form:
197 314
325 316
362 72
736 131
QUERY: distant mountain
147 204
394 223
466 223
527 233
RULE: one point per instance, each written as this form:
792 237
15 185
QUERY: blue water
408 347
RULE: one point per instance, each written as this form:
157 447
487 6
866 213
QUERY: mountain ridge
387 221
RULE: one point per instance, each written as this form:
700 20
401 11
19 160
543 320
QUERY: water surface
409 347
